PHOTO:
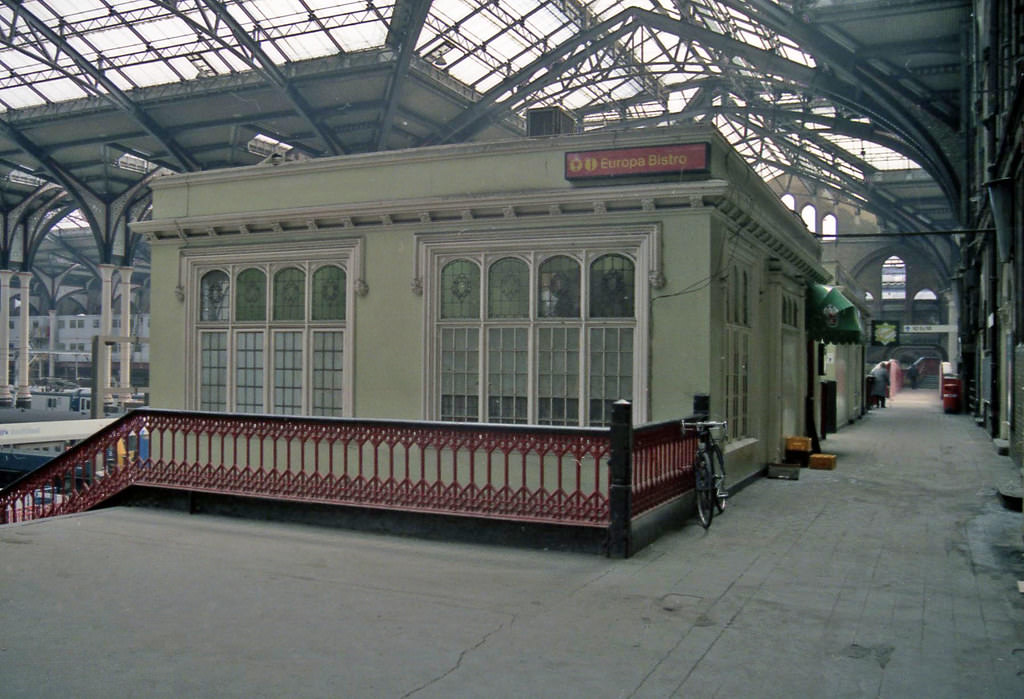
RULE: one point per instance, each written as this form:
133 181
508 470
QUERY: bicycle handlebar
707 424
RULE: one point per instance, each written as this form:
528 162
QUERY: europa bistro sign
629 162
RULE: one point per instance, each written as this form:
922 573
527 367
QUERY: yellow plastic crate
823 461
798 443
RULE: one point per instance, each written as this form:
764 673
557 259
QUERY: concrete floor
893 576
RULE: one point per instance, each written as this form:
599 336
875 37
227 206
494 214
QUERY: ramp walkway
894 575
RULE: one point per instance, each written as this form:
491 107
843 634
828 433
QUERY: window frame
310 257
640 244
739 335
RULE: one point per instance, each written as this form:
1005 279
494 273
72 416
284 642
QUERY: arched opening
925 308
894 286
828 228
810 217
790 201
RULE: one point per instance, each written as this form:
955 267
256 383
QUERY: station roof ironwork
859 99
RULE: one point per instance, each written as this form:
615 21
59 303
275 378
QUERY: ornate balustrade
524 473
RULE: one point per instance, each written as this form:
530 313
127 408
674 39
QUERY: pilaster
24 396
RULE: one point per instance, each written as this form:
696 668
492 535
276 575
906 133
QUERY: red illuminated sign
625 162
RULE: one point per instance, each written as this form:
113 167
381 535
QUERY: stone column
6 399
106 314
24 397
952 301
125 274
53 343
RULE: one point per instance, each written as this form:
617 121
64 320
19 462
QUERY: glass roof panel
149 74
57 90
360 36
642 74
19 97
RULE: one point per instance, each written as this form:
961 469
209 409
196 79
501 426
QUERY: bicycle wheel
705 490
718 477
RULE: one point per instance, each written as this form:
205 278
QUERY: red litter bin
951 394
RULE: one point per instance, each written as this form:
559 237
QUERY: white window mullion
585 369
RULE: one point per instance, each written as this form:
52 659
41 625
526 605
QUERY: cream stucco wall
167 330
681 337
389 332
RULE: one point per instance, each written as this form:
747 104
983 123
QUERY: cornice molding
441 213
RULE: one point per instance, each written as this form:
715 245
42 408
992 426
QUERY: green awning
831 317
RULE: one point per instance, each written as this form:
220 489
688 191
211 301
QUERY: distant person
912 373
880 388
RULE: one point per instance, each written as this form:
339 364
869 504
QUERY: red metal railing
663 456
528 473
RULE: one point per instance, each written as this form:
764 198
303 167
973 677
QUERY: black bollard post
620 494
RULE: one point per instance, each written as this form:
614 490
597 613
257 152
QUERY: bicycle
709 471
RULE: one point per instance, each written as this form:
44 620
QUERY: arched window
810 217
611 287
329 293
894 279
251 296
790 201
535 354
290 294
508 289
559 288
213 291
926 308
280 341
460 290
828 228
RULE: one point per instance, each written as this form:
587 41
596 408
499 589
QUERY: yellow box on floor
823 461
798 443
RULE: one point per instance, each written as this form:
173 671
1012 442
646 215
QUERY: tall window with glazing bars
528 338
271 338
738 331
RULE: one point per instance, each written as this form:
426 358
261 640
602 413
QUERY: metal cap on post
702 405
621 487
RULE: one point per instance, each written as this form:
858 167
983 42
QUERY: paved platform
894 575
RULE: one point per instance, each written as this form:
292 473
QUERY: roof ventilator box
549 121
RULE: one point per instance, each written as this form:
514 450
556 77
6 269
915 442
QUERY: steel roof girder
860 75
483 106
261 62
109 90
406 39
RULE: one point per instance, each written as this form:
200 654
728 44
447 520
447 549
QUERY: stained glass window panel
508 289
611 287
460 290
329 293
290 294
251 296
559 288
213 292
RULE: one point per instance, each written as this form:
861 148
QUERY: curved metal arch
879 255
38 229
866 79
